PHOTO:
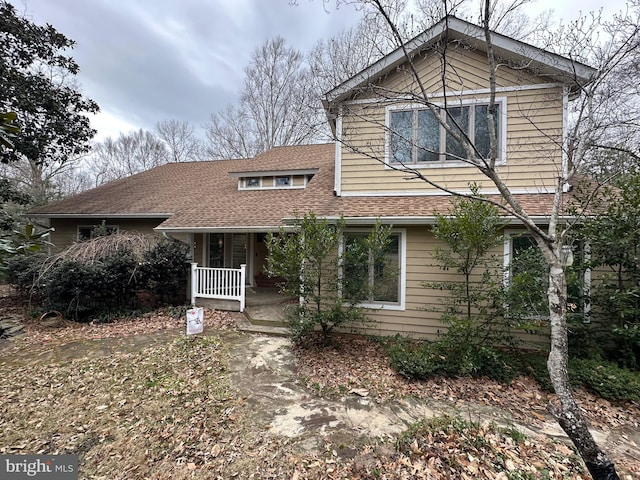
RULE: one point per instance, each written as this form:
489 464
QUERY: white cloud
109 125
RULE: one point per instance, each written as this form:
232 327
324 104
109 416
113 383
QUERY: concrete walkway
263 370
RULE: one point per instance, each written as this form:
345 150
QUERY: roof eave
98 215
226 229
264 173
420 220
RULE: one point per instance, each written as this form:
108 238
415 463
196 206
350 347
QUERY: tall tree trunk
565 410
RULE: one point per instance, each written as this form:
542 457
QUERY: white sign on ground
195 320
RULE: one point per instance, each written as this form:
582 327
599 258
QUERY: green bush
606 379
303 322
329 282
164 270
82 291
70 287
587 340
535 365
603 378
23 271
422 360
614 240
101 286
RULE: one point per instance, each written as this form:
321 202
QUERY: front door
216 250
238 249
230 250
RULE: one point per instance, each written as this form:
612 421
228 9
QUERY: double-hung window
418 136
372 278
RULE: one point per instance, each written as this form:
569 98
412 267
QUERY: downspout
565 139
337 181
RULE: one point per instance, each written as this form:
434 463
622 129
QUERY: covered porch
228 269
228 272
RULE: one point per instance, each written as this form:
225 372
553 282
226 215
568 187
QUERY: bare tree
345 54
181 142
278 106
46 182
598 121
128 154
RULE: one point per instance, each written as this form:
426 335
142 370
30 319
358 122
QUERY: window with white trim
369 278
283 181
417 136
252 182
270 182
527 278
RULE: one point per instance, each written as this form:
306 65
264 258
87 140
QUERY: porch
262 307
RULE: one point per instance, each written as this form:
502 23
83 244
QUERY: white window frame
509 234
443 162
246 186
271 184
289 180
400 305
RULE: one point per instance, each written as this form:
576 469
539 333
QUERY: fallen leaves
168 411
357 364
169 318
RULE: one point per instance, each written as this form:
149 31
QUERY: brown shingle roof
203 195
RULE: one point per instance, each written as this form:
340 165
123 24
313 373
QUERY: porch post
243 276
194 283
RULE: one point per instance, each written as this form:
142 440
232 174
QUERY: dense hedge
119 281
422 360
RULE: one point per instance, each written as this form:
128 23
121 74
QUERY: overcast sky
148 60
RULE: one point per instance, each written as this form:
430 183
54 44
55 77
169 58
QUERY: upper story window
269 180
283 181
417 136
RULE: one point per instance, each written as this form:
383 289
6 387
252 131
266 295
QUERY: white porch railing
218 283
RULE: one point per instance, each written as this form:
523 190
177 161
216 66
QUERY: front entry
230 250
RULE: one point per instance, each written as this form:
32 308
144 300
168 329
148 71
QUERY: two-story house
391 153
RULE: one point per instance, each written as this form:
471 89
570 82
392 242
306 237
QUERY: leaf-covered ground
360 363
169 411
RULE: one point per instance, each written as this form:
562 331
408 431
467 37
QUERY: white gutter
422 220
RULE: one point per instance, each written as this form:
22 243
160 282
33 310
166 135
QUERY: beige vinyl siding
66 229
465 70
421 317
533 136
533 155
413 321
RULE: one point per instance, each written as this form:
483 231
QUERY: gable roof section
541 61
204 195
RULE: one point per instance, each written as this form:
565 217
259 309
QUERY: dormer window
274 179
283 181
252 182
